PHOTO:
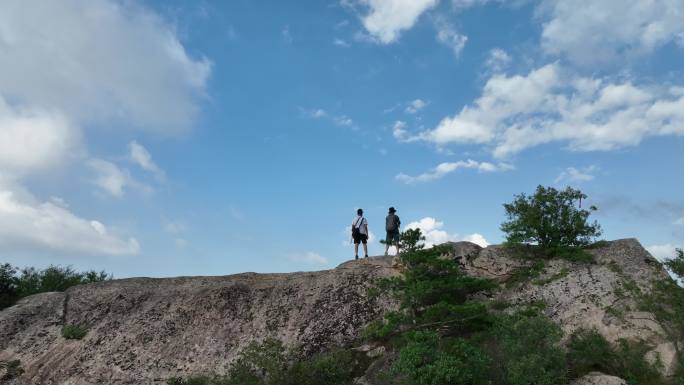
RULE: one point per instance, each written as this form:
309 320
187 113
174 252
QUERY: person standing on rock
360 233
392 223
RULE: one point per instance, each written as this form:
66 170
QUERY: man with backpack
392 224
360 233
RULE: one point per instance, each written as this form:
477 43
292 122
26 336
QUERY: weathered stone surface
596 378
601 296
143 331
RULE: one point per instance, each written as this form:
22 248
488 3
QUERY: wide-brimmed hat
392 210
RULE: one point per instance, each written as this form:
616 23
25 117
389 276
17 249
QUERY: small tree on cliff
551 219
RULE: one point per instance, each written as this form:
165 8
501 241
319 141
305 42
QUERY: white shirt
361 223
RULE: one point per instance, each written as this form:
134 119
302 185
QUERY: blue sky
163 138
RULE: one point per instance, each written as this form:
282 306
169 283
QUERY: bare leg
365 249
356 250
387 245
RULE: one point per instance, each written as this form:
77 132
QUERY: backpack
393 225
356 228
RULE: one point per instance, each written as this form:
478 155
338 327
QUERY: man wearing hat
392 224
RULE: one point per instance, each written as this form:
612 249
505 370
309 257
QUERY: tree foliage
15 284
551 219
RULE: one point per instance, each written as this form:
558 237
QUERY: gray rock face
143 331
596 378
601 296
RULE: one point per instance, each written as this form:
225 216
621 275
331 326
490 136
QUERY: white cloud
662 252
399 131
679 221
497 60
573 175
98 60
50 227
139 154
386 19
434 234
175 227
416 105
114 180
518 112
318 113
287 37
593 32
343 120
341 43
447 35
446 168
32 139
109 177
77 65
310 258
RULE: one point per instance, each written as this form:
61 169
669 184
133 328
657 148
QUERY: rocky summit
144 330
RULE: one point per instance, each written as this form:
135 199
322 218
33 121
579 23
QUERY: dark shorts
392 237
361 238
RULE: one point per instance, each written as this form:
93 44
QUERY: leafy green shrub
589 351
260 363
33 281
12 369
270 363
428 360
335 368
550 219
73 332
525 349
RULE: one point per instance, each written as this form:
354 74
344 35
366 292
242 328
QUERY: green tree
8 286
14 286
551 219
676 264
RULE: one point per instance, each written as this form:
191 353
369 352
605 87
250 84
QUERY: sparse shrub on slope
526 350
427 359
10 369
443 336
73 332
589 351
551 219
269 362
433 291
666 302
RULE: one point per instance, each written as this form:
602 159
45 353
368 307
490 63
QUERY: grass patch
615 312
615 268
526 273
560 275
12 369
73 332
